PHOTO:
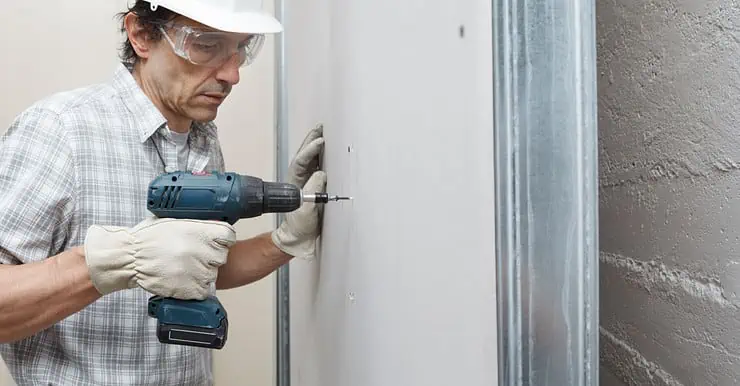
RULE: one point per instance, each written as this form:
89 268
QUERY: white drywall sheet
403 292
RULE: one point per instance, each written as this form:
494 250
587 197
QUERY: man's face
186 90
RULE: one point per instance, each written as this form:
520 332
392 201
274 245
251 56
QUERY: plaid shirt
76 159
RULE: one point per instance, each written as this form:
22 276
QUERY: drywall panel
669 151
71 44
403 290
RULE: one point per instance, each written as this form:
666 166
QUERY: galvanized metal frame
546 188
282 160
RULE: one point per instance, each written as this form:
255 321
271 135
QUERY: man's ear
137 35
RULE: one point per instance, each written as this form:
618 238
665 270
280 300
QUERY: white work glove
169 257
298 232
306 159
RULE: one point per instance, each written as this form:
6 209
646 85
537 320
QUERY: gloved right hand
176 258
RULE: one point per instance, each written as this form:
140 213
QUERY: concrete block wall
669 127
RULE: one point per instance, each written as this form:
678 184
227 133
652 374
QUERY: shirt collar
147 117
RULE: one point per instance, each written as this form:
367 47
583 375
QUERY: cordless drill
217 196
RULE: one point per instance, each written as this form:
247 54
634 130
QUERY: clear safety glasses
212 48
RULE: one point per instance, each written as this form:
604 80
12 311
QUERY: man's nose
229 71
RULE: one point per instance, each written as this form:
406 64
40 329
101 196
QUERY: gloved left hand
297 234
306 159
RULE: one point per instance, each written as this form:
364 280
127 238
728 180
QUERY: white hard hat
240 16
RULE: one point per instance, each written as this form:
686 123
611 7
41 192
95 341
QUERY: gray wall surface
606 378
670 153
403 292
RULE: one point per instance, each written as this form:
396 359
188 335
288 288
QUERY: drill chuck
279 197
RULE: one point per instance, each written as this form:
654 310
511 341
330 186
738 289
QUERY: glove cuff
109 254
292 245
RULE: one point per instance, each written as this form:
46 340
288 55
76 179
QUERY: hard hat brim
251 22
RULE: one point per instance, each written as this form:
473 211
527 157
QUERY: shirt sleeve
37 187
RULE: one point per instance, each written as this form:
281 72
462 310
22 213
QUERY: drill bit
323 198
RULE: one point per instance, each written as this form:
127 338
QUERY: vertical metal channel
546 188
282 159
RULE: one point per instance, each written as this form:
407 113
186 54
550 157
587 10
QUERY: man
80 255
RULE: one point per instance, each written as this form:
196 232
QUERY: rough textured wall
669 111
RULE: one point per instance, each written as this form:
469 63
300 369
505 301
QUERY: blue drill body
217 196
